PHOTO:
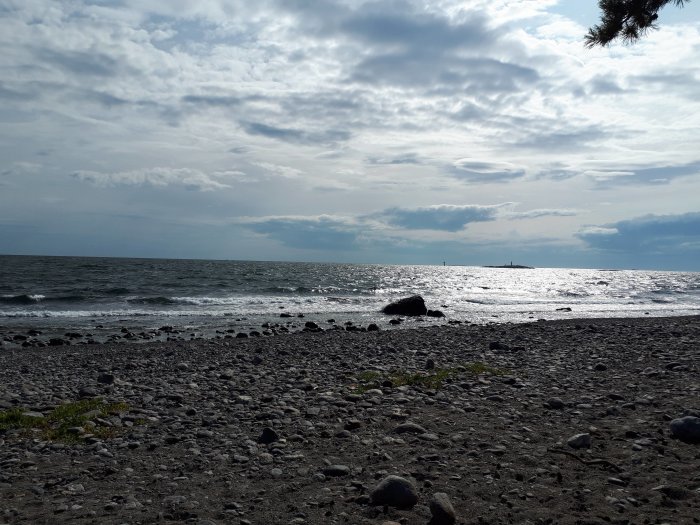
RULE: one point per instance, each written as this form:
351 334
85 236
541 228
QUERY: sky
381 131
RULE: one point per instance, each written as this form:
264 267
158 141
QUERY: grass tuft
61 422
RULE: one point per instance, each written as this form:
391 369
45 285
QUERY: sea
208 296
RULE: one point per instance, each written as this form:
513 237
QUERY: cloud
483 171
160 176
442 217
667 235
323 232
643 176
562 140
538 213
286 172
296 136
215 101
83 63
405 158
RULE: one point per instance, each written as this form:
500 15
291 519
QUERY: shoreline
38 335
487 414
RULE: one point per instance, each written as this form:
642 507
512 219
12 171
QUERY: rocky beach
561 422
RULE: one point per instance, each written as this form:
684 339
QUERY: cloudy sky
395 131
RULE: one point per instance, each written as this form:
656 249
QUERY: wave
65 299
29 299
116 291
21 299
157 301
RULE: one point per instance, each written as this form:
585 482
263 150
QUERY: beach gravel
304 427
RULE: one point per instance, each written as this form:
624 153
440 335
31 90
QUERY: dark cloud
83 63
297 136
15 95
405 158
667 235
397 24
212 100
557 171
322 233
561 140
105 99
398 43
472 170
604 86
442 217
420 68
646 176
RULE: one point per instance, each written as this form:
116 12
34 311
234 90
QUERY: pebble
555 403
200 431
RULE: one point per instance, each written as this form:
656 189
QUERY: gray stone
442 510
579 441
555 403
686 429
394 491
334 471
268 436
105 379
410 428
411 306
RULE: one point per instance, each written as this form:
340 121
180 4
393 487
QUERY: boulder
435 313
413 306
442 510
686 429
394 491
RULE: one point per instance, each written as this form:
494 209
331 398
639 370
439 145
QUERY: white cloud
160 176
350 107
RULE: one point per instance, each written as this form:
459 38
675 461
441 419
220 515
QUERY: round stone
442 510
686 429
394 491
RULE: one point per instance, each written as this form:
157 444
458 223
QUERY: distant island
511 265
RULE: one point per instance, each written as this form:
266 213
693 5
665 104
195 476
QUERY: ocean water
85 293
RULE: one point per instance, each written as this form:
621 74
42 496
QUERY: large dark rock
686 429
442 510
414 305
394 492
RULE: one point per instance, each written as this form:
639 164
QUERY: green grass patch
433 379
61 422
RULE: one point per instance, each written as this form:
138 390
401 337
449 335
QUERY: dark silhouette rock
413 306
686 429
268 436
394 491
442 510
435 313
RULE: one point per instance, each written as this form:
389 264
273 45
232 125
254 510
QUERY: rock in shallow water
413 306
686 429
394 491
